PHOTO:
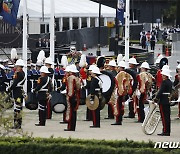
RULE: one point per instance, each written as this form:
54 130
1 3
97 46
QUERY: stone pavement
129 130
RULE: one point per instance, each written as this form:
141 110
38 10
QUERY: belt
166 93
97 89
43 90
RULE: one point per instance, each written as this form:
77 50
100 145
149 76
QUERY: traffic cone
84 47
167 52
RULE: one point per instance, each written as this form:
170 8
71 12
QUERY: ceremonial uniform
164 105
88 112
49 110
17 89
177 82
2 80
73 100
158 79
133 73
43 88
95 89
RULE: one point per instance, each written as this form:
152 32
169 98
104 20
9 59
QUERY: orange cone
84 47
167 52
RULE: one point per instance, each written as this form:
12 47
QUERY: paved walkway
129 130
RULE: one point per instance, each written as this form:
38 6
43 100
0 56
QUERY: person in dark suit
39 43
17 89
43 88
162 98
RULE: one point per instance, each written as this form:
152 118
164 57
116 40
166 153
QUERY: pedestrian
153 41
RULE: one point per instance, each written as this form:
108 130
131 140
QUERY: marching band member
164 105
89 78
48 63
132 70
162 62
73 97
95 89
17 89
2 78
44 86
144 81
176 84
62 88
119 106
112 69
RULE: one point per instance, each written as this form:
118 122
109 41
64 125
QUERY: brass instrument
152 119
175 95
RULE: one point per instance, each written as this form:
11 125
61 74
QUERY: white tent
66 8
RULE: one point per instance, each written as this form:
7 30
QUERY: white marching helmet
44 69
166 67
73 69
96 70
112 63
166 72
178 67
122 64
133 61
145 65
67 68
19 62
91 67
49 61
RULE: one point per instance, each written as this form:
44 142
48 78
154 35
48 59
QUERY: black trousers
88 114
110 111
96 117
17 111
131 109
152 45
165 116
42 112
141 114
120 109
73 115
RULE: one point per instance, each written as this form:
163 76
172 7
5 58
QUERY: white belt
43 90
97 89
166 93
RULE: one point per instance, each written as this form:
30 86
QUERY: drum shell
58 99
31 102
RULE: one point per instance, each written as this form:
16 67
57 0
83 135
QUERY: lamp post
98 52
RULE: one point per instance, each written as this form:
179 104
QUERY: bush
74 146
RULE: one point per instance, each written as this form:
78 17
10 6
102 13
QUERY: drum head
59 108
108 84
58 102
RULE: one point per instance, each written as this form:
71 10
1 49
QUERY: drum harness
99 90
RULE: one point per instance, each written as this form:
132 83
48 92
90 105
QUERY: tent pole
127 16
52 34
25 35
98 53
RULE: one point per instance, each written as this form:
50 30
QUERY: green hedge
75 146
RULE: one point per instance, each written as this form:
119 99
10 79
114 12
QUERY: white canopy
66 8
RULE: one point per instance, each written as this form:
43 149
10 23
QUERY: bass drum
31 101
107 85
58 102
